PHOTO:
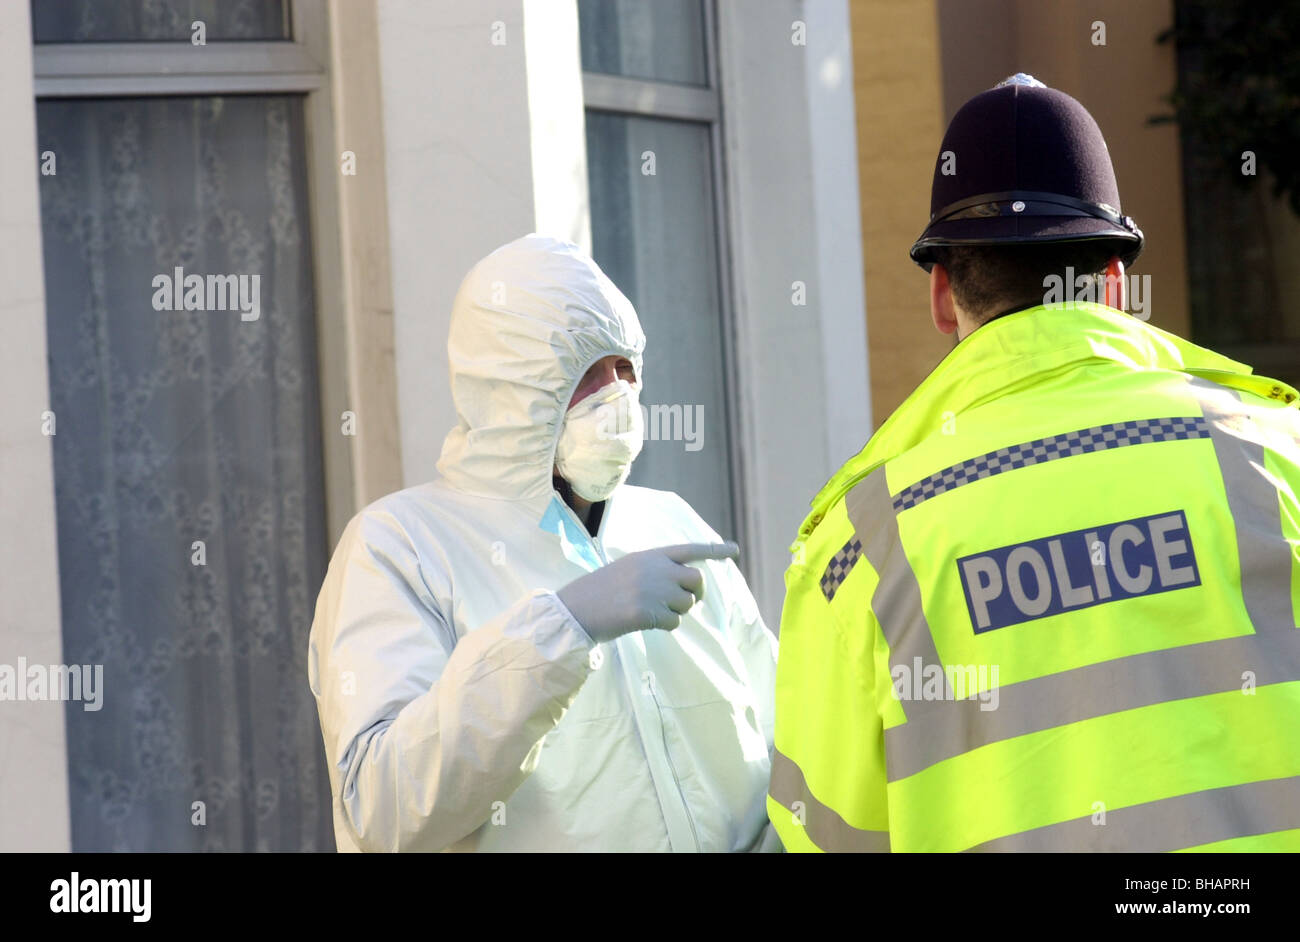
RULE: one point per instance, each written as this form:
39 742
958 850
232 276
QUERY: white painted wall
484 143
557 122
460 183
34 813
833 134
792 190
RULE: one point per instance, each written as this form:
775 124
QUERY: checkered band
837 570
1097 438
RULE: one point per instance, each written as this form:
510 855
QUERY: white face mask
601 437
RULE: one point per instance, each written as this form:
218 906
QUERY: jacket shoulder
421 495
386 525
837 546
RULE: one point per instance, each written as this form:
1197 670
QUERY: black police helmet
1020 163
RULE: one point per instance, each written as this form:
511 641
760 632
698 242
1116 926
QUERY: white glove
649 589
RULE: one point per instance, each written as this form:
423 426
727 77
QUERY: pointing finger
689 552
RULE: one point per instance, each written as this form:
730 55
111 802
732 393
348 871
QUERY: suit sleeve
424 733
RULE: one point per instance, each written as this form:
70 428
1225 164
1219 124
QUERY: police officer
1050 605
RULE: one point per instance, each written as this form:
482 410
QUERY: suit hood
526 324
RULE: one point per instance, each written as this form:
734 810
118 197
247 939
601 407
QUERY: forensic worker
527 653
1051 605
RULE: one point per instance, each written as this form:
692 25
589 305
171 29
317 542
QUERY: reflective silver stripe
1264 554
938 730
1217 814
824 825
897 599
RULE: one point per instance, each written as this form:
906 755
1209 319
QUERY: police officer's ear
942 309
1116 294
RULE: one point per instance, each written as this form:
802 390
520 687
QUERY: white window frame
792 194
299 65
651 98
785 172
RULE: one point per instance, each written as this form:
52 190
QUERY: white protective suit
462 705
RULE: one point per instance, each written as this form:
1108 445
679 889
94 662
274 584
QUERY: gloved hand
652 588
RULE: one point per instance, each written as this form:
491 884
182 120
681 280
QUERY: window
659 40
180 273
654 168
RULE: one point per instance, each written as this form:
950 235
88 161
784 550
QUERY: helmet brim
1020 230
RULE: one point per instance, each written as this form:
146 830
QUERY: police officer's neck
967 325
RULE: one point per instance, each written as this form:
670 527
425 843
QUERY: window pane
119 21
649 39
654 234
188 468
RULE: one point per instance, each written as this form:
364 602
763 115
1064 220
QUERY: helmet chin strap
1011 203
1032 203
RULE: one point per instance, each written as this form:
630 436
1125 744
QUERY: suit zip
690 818
649 681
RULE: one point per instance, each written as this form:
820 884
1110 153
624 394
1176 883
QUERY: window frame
650 98
299 65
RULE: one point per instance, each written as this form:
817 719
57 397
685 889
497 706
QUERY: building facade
233 231
233 271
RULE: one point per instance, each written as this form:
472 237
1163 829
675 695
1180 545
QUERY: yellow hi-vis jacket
1052 605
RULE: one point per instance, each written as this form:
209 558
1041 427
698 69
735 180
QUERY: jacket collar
1006 354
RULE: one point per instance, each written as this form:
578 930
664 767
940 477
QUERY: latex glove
652 588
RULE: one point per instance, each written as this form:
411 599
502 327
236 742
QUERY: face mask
600 438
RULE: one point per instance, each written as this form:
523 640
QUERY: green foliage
1239 87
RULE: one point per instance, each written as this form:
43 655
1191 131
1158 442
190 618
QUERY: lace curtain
174 427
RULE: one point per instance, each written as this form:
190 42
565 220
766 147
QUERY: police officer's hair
987 280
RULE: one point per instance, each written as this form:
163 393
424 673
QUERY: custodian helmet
1020 163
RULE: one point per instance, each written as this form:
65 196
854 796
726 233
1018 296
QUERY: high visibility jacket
1052 605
